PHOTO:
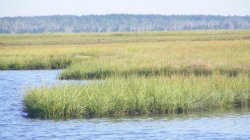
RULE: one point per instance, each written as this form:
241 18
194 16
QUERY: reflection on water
218 124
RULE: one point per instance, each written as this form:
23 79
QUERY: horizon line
128 14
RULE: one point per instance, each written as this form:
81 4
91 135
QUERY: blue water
220 124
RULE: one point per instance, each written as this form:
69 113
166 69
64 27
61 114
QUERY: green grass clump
34 63
138 96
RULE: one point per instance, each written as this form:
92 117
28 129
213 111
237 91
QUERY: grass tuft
138 96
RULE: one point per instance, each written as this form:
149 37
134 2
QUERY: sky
14 8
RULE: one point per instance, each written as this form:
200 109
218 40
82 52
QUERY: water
220 124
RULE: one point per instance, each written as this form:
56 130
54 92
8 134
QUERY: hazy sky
100 7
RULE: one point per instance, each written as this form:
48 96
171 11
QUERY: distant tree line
120 23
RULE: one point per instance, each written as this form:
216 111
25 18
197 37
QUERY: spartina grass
119 96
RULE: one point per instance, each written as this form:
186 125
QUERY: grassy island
146 73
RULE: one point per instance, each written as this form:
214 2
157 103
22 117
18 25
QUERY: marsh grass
107 38
119 96
219 49
145 73
102 69
35 63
